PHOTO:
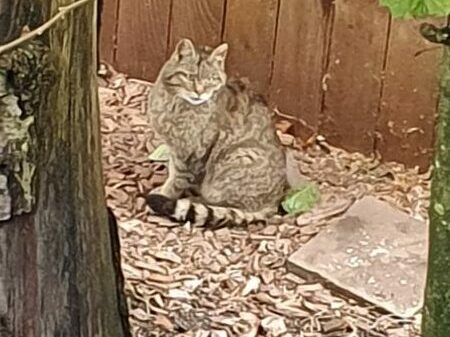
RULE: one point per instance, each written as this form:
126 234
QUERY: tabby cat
224 150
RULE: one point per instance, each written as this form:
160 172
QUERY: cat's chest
189 131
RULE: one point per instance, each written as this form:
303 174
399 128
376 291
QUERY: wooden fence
345 68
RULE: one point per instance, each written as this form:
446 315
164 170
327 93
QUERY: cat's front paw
156 190
167 192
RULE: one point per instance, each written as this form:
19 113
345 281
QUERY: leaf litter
187 281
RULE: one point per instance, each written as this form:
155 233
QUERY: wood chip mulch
186 281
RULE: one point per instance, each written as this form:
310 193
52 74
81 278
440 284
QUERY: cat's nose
199 88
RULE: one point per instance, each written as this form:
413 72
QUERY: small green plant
160 154
417 8
301 199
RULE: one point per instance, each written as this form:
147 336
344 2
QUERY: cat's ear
219 55
184 49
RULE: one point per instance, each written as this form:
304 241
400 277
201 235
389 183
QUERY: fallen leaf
164 322
160 154
252 285
267 276
266 298
167 256
192 285
179 294
283 125
314 307
274 325
202 333
253 321
219 333
140 314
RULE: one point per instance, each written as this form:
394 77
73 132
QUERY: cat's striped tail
183 210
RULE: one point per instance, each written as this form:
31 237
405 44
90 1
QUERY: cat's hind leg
178 181
244 189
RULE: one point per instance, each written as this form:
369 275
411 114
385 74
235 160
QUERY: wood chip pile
185 281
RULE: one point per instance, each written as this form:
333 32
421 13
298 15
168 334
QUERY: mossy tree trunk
436 318
58 268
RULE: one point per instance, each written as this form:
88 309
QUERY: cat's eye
187 76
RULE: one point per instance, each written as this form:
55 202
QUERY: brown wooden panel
199 20
107 29
406 123
296 87
354 74
142 37
250 30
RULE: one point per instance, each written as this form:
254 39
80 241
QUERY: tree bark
436 316
59 273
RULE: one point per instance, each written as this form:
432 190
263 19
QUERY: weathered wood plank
354 74
142 37
296 87
107 29
10 29
56 265
409 101
198 20
250 30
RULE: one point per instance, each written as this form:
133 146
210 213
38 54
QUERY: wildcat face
195 74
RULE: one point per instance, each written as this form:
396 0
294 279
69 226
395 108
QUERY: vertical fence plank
354 74
405 100
107 30
199 20
298 63
410 93
250 30
142 37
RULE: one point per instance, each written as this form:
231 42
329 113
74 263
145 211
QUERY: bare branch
41 29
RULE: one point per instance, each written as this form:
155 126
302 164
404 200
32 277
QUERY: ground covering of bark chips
186 281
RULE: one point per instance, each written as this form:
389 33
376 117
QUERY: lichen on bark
436 320
24 73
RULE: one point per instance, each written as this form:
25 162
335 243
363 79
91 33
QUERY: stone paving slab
374 252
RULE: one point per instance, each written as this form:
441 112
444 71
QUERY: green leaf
301 199
439 209
417 8
161 153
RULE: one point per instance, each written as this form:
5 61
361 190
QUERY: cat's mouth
197 100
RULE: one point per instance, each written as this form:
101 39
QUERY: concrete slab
375 253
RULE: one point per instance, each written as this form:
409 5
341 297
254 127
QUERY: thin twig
41 29
425 50
292 118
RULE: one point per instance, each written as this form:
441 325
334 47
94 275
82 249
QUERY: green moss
436 319
25 73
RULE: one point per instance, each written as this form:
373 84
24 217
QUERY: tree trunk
59 272
436 318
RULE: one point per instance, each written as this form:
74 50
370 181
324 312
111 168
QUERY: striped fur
183 210
222 141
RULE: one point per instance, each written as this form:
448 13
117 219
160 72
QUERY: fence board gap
250 31
354 74
296 87
108 29
198 20
408 106
142 37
